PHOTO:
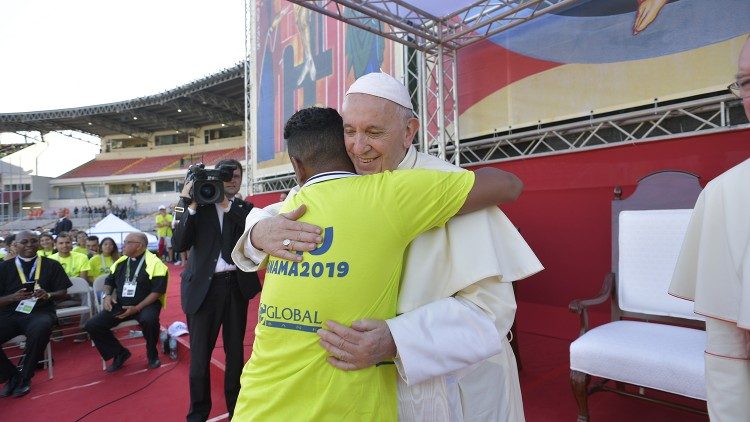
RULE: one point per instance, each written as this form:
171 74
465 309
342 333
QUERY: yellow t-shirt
46 254
164 231
99 266
368 223
73 264
81 250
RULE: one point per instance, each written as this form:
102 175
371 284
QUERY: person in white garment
456 287
713 270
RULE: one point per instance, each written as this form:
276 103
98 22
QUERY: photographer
213 291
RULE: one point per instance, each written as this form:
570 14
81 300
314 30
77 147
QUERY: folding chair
80 287
15 342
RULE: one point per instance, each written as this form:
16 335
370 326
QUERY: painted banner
306 59
599 56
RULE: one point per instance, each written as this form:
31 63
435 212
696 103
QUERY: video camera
208 185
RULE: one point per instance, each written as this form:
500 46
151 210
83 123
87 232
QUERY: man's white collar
329 175
410 159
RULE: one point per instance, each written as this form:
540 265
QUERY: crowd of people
387 293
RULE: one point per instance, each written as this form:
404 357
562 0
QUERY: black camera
208 185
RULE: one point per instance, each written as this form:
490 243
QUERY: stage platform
81 391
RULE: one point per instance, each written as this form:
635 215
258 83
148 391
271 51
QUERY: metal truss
439 102
690 118
250 72
714 114
416 28
278 183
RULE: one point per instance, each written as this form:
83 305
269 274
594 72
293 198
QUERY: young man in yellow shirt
355 273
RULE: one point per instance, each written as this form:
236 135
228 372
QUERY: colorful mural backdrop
305 59
599 56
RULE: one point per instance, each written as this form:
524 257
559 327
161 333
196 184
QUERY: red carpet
81 391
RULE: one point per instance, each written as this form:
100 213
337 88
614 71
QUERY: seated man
80 246
369 222
75 264
92 245
139 279
33 281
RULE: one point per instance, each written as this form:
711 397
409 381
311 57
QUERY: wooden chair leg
579 381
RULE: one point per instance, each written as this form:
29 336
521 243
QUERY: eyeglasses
24 242
740 88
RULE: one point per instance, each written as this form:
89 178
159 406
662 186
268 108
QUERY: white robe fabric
713 270
455 290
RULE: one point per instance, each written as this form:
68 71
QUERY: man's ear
412 127
299 170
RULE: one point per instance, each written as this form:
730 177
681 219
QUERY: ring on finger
287 243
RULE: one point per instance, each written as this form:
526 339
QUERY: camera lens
207 191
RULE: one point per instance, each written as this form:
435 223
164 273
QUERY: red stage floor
81 391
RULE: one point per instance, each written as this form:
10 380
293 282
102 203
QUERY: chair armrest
580 306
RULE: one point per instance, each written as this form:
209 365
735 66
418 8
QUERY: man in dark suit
63 224
214 292
21 279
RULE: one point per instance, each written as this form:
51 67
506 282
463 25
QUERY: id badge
26 306
128 290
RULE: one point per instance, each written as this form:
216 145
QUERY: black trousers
224 307
100 329
37 327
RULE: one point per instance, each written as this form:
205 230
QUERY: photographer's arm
183 235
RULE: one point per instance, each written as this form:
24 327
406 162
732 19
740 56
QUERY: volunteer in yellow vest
369 221
75 264
102 262
132 291
47 245
164 230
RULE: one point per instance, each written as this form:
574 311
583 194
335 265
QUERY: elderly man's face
743 75
376 134
133 246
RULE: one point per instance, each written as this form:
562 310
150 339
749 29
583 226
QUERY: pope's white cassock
456 305
713 270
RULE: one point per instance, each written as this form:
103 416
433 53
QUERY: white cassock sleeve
446 336
244 254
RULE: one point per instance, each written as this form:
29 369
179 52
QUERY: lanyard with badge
128 290
104 269
27 305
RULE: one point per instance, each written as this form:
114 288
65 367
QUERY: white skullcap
382 85
162 207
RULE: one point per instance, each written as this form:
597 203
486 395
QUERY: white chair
15 342
655 341
98 290
80 287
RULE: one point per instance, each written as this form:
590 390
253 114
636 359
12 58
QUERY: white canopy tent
112 226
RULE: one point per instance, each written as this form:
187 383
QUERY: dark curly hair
315 136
